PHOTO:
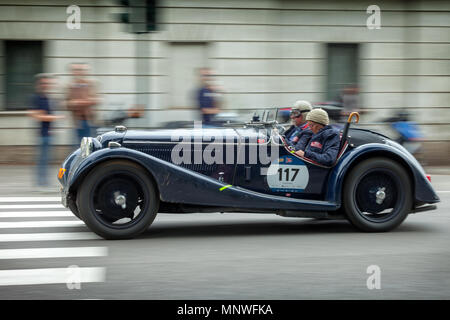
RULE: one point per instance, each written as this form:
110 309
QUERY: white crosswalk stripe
35 214
50 276
31 206
30 199
40 224
39 253
54 236
36 208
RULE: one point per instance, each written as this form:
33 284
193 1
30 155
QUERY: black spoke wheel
117 200
377 195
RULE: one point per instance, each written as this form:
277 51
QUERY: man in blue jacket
207 97
41 110
323 147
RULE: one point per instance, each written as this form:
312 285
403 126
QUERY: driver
323 147
299 133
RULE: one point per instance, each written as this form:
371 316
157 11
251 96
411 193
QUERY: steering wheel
280 129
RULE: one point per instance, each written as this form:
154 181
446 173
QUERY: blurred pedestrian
42 111
350 101
81 99
207 97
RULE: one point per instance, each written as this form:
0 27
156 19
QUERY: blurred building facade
265 53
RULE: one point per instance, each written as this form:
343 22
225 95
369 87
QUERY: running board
309 214
424 208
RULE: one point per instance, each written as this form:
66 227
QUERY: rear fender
423 191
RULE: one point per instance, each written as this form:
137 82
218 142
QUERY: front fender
423 191
67 166
81 167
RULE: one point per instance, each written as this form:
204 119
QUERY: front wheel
377 195
117 200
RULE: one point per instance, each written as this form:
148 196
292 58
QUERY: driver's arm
303 140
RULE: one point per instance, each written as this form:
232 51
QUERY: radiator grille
164 153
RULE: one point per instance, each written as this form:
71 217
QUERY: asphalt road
47 254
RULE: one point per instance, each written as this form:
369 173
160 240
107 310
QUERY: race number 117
287 174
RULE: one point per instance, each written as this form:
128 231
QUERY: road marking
31 206
23 237
30 199
33 214
39 253
445 191
41 224
49 276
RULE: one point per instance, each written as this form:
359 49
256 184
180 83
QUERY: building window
186 58
23 59
342 69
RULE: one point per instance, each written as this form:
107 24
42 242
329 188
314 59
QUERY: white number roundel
290 174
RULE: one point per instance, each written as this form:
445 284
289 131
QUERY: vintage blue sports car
118 182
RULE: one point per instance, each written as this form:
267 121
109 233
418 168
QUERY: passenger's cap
319 116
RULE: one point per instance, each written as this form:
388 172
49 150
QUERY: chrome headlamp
86 146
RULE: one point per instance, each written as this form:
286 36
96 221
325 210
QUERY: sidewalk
20 180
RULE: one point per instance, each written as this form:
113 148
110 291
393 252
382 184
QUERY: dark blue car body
242 186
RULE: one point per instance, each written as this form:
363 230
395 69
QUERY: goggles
295 113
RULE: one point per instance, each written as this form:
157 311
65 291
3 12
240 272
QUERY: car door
284 175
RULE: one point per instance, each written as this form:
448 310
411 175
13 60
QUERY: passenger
299 133
323 147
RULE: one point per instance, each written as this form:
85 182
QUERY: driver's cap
301 106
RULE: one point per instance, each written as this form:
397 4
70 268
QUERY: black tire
363 200
72 206
98 195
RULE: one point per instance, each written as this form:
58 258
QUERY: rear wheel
377 195
118 200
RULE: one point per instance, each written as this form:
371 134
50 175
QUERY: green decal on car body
223 188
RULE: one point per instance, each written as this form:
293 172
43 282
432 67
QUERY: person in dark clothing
299 133
41 110
303 138
323 147
207 97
